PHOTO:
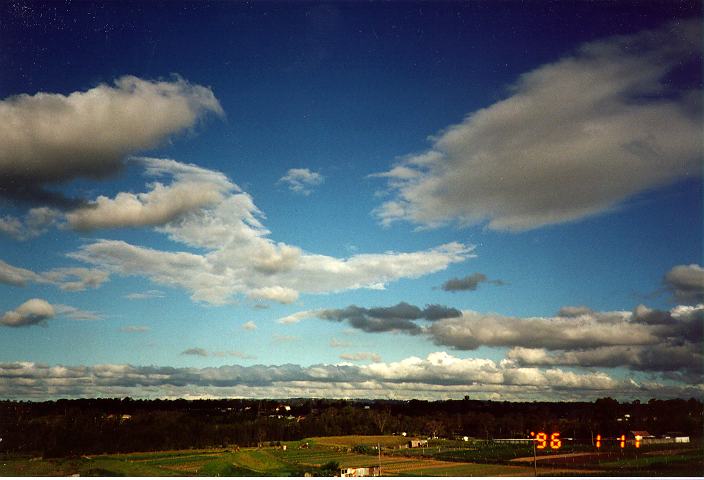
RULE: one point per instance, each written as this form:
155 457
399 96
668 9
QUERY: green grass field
475 460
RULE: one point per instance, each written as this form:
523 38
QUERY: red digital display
541 440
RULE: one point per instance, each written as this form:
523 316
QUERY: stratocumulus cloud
644 339
439 375
686 282
576 137
47 138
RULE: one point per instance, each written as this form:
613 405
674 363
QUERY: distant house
360 472
417 443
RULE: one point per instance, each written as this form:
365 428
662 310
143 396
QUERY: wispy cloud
147 295
201 352
361 356
249 326
134 329
73 279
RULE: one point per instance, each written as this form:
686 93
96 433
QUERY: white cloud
301 180
32 312
239 258
298 316
575 138
249 326
50 137
277 294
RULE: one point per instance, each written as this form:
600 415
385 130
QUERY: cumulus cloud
237 257
575 138
398 318
192 188
686 282
37 311
439 375
249 326
48 138
301 180
71 279
32 312
470 282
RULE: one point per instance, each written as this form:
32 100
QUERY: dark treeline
89 426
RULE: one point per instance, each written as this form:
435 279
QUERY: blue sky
274 195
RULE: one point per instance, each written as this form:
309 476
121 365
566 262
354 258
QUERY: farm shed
360 472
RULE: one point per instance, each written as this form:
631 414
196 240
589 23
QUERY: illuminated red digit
555 442
541 440
598 441
623 441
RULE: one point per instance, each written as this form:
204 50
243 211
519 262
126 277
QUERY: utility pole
535 460
378 447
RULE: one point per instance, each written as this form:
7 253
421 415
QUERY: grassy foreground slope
320 456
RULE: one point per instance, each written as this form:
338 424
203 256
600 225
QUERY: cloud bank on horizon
575 138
